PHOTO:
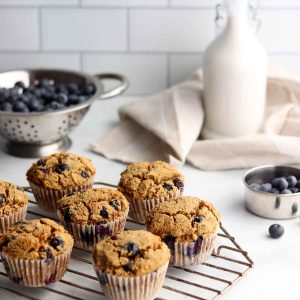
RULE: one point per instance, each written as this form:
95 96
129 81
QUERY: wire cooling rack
209 281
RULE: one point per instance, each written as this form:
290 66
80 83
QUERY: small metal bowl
269 205
37 134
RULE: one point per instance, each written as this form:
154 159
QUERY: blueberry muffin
36 253
147 184
93 214
13 205
188 225
136 260
57 175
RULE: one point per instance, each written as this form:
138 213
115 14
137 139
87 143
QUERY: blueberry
167 187
4 243
115 204
62 98
286 191
104 213
103 231
294 190
170 241
68 216
73 99
275 182
44 82
89 89
178 183
60 168
87 236
292 181
35 105
255 186
61 89
266 187
128 267
55 105
275 191
57 242
198 219
49 256
6 106
133 249
20 107
282 184
84 174
20 84
81 99
41 162
103 278
276 231
298 184
72 88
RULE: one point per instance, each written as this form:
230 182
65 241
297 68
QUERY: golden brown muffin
61 170
145 180
183 219
35 239
130 253
93 205
12 198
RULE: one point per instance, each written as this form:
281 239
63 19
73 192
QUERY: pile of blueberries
43 95
279 185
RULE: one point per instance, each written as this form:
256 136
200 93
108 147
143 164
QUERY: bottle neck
237 11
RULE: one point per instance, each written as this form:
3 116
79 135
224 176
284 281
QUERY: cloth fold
167 126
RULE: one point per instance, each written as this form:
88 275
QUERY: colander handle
118 90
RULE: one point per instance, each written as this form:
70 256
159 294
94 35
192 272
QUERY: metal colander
38 134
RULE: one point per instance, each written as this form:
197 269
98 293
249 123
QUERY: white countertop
277 262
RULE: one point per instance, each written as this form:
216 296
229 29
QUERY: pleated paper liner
138 209
142 287
192 253
7 221
36 272
47 198
87 235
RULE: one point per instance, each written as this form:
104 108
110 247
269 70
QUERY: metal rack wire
209 281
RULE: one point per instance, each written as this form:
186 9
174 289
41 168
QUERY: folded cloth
167 126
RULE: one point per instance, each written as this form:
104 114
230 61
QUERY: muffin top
130 253
61 170
35 239
11 198
93 205
183 219
145 180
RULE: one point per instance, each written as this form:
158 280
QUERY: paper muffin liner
138 209
193 253
87 235
47 198
36 272
11 219
142 287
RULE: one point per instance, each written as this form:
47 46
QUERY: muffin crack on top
145 180
184 219
11 198
61 170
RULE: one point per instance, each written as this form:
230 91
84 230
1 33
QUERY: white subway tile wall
155 43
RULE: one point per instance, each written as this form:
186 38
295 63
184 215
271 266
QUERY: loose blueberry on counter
282 184
60 168
266 187
104 213
115 204
57 242
133 249
276 231
167 187
198 219
292 181
286 191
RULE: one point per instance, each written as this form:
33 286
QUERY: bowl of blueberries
39 108
273 191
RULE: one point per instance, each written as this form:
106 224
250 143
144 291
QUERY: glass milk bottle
235 77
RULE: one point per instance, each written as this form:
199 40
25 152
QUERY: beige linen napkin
166 126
